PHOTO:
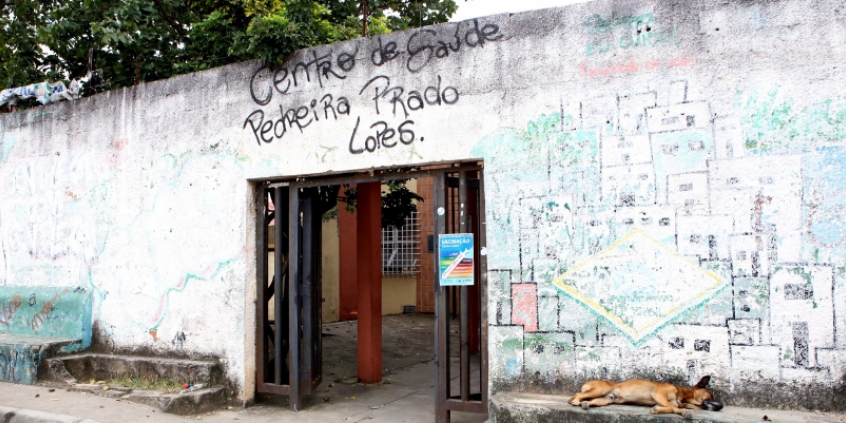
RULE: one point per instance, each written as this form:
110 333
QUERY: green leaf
180 36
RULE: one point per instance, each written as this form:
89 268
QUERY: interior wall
331 275
398 291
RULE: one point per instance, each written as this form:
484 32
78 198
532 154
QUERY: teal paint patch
512 368
7 143
824 183
752 298
773 124
574 148
549 355
46 312
19 363
513 147
21 356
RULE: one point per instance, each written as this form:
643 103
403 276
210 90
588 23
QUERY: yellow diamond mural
639 285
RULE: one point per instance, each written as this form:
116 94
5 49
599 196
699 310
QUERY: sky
475 8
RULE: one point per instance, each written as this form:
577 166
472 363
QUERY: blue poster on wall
455 259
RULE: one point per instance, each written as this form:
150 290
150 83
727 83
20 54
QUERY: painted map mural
659 240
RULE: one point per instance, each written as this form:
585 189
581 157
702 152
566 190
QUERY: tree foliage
155 39
398 202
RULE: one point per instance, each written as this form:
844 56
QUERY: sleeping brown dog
664 397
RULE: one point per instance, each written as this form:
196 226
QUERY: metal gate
459 208
291 339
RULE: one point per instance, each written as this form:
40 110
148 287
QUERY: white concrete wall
706 136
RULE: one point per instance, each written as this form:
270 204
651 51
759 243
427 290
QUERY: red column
369 242
348 264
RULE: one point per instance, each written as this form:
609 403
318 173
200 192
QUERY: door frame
286 192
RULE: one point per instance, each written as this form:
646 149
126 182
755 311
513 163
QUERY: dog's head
703 398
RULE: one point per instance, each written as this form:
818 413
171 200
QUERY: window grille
401 247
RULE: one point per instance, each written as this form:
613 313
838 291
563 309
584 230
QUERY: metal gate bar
307 266
262 221
294 398
441 311
465 293
278 284
315 370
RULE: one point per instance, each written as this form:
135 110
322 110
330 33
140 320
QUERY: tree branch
167 17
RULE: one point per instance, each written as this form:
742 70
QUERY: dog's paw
687 415
585 405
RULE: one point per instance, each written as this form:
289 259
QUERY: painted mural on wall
35 321
46 312
19 363
59 226
634 233
658 239
150 214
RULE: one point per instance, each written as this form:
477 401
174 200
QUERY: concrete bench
37 323
514 407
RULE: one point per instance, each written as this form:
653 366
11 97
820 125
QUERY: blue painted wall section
46 312
36 322
19 363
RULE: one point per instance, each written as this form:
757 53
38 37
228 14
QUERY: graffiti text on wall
424 45
632 32
632 67
421 48
299 117
383 134
8 309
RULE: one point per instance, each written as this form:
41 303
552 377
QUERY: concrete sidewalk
406 394
398 401
23 415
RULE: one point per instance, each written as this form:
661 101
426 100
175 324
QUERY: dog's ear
703 382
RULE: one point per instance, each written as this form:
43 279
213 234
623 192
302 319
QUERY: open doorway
397 328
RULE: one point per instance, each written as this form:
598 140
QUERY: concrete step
22 357
74 372
87 366
517 407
